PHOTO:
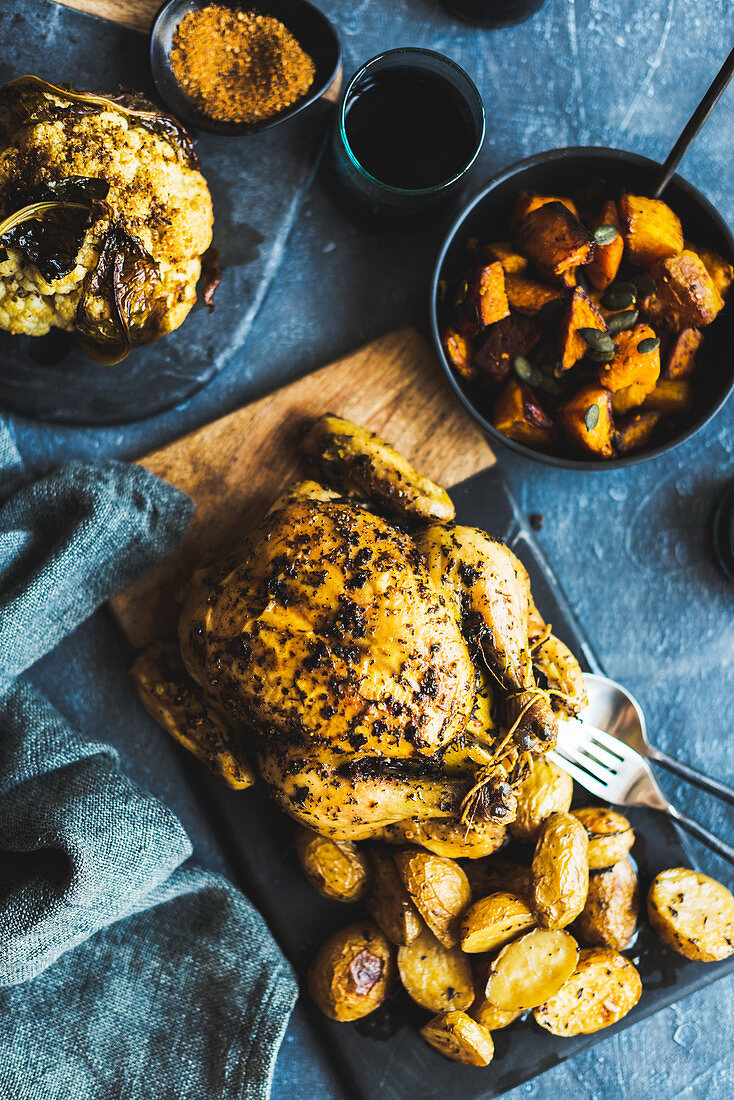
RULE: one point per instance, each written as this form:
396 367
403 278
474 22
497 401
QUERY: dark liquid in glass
409 129
493 13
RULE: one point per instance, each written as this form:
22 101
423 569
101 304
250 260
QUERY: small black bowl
563 171
314 32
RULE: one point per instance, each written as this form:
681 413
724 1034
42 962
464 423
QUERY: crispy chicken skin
380 661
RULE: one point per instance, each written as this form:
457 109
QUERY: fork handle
716 845
713 786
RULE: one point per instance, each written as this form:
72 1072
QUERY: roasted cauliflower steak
373 658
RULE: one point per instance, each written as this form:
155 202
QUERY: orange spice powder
239 66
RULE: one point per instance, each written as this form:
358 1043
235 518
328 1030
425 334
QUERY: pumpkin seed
605 234
583 281
551 386
602 356
471 311
620 321
645 284
526 371
592 417
620 296
462 289
596 340
645 347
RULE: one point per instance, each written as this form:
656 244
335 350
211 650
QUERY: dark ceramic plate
49 377
383 1057
563 171
311 28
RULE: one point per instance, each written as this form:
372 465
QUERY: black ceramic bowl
563 171
314 32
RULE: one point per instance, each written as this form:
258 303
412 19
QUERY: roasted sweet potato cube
487 293
458 351
685 286
634 431
519 415
586 418
554 239
681 358
721 272
528 296
512 262
652 231
580 313
671 396
513 335
634 368
526 203
604 265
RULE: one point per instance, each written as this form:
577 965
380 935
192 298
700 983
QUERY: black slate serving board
384 1057
256 184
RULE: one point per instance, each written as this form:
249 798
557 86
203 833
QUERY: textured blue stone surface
631 548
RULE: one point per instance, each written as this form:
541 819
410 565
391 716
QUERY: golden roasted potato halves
352 972
530 970
559 877
387 899
610 835
439 890
693 913
546 790
336 868
436 977
609 918
460 1038
602 989
493 921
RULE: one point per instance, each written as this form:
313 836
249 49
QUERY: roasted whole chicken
380 666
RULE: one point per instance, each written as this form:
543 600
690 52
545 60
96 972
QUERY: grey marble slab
631 548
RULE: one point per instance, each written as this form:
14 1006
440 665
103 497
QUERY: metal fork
613 771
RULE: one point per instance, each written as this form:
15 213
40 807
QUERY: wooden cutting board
235 467
137 14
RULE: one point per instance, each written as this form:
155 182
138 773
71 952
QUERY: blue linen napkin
124 974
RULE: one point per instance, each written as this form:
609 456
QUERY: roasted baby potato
636 364
546 790
532 969
604 265
460 1038
458 352
486 295
553 239
610 835
526 203
528 296
634 431
491 1017
671 397
336 868
436 977
439 890
581 313
519 415
586 418
490 876
352 972
652 231
502 342
450 838
512 262
602 989
609 918
692 913
387 899
559 876
493 921
680 361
